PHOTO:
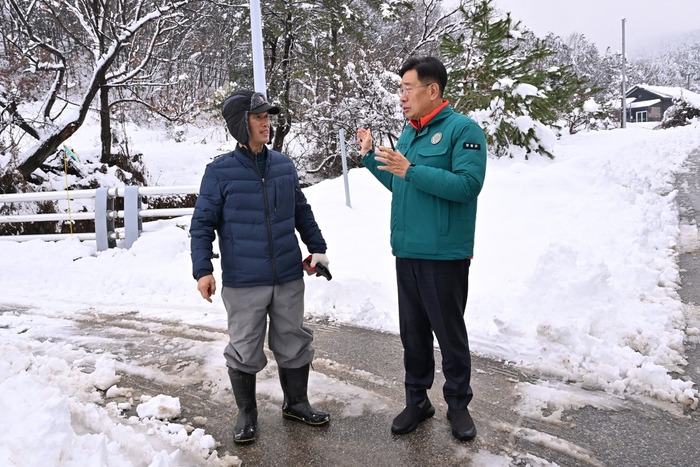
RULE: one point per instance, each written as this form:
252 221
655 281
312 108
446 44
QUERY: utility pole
624 78
257 41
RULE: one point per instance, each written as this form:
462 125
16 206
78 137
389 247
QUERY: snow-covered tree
368 100
417 27
578 82
496 75
683 111
329 62
98 45
305 44
674 63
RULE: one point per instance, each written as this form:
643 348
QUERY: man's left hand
319 258
317 263
394 161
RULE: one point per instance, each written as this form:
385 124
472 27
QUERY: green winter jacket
433 209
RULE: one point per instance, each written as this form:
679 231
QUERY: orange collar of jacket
421 122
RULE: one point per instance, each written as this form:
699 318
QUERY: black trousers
432 299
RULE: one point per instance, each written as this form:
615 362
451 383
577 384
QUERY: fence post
345 167
132 220
104 222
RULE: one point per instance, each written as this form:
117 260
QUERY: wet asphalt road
624 432
688 185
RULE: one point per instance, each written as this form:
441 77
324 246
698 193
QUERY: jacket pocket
433 151
227 253
285 199
434 156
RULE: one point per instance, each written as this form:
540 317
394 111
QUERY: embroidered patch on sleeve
472 146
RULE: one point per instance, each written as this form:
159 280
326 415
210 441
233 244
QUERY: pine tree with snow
496 76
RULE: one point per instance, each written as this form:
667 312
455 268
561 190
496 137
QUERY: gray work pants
248 309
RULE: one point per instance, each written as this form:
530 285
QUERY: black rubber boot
243 385
296 405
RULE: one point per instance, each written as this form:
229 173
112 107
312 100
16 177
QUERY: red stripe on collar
420 123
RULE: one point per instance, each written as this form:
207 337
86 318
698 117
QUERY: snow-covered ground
575 275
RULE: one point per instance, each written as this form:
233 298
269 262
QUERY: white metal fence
104 214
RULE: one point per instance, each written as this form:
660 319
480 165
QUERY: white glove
319 258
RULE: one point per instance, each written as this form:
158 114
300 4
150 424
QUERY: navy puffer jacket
254 217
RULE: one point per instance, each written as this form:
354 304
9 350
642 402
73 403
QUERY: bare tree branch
106 52
8 104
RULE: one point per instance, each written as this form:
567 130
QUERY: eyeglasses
404 90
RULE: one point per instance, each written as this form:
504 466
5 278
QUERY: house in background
648 103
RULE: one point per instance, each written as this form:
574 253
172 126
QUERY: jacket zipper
269 229
267 214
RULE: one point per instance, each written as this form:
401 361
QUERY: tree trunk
285 122
281 130
105 124
47 147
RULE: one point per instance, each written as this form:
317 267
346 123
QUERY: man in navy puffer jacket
252 200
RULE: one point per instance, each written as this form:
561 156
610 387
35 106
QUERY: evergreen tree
496 75
577 81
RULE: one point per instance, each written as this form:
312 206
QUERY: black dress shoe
462 424
412 415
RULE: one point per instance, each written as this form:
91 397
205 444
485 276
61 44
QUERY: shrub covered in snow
681 113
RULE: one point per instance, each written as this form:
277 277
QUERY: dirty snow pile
575 275
54 413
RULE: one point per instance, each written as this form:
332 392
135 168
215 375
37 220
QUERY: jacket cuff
201 273
409 172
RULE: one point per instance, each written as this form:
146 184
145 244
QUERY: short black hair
427 68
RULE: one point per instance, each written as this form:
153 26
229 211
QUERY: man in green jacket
435 175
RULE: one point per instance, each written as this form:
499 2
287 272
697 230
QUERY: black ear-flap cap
258 105
236 108
235 112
